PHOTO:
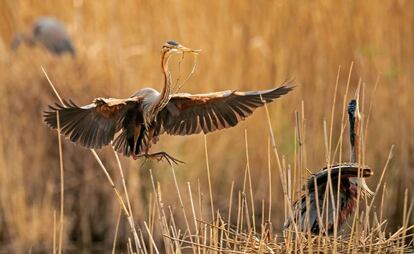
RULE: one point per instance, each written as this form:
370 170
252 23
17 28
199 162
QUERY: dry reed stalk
370 107
130 217
208 177
118 220
405 219
182 205
151 238
269 172
250 180
344 104
54 232
230 204
161 217
194 216
62 181
284 185
390 155
99 162
141 237
329 161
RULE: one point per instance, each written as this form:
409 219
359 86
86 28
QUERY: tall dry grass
245 46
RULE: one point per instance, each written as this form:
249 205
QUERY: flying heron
351 177
140 119
48 32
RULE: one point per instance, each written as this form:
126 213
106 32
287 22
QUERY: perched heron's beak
361 182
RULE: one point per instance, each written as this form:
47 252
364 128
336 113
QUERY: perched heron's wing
301 207
344 170
93 125
187 114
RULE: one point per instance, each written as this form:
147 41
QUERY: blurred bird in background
147 114
351 177
48 32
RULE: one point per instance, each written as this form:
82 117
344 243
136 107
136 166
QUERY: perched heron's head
173 47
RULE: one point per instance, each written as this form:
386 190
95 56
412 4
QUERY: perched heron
140 119
351 177
48 32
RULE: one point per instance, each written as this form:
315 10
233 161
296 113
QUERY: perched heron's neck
354 118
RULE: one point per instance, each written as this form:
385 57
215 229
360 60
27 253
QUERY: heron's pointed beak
185 49
361 182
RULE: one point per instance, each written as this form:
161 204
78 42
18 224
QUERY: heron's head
22 38
173 47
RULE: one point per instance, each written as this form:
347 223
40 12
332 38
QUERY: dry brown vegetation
246 46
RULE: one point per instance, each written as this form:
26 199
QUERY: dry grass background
246 46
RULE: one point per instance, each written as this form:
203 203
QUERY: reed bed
237 186
216 235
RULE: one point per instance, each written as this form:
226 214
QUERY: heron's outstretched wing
93 125
187 114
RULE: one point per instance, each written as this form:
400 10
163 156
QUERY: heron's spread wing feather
93 125
187 114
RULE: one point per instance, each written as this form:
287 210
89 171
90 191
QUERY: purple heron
140 119
351 178
48 32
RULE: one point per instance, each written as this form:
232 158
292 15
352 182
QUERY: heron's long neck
354 136
166 90
23 38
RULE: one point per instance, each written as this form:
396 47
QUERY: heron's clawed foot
162 156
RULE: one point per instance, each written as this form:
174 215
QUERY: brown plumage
187 114
347 198
143 117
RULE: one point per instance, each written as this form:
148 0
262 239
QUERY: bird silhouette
50 33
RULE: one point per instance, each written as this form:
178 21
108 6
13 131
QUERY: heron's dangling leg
136 135
160 156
